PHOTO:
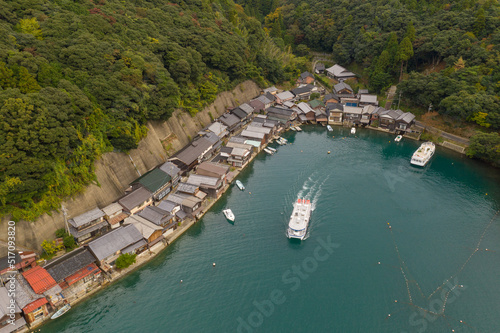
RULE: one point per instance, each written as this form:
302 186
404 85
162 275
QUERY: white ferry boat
329 128
299 221
423 154
240 185
228 213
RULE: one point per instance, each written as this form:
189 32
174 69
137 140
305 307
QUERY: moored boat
61 311
329 128
268 151
272 149
423 154
293 129
228 213
299 220
353 130
398 138
240 185
298 129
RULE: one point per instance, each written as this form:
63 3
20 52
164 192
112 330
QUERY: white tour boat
398 138
299 221
329 128
353 130
228 213
423 154
240 185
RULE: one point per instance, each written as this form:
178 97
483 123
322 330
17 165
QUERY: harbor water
390 248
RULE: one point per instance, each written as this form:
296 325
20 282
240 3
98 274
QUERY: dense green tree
485 146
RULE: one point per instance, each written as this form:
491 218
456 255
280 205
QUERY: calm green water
264 282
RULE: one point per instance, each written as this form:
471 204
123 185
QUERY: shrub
60 233
125 260
69 242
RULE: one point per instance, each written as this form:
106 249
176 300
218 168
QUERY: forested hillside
447 53
82 77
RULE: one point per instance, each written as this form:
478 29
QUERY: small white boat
272 149
283 139
61 311
293 128
329 128
298 129
268 151
398 138
423 154
281 143
353 130
228 213
240 185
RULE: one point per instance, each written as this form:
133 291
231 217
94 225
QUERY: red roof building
39 279
35 305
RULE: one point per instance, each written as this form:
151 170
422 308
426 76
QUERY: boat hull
299 220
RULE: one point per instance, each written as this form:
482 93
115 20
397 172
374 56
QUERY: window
38 313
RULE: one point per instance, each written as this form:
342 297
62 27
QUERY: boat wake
311 190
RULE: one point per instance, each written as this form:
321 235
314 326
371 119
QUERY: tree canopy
79 78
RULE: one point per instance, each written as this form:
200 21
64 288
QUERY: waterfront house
151 232
11 319
284 96
213 186
239 157
375 119
242 115
302 92
186 188
218 129
155 181
266 101
281 115
257 105
305 78
272 90
259 127
107 248
189 204
114 214
307 111
331 98
405 121
232 122
173 171
20 261
199 150
335 112
248 108
43 284
366 99
316 104
366 114
171 208
75 272
136 200
160 217
319 68
34 306
248 134
243 145
88 225
339 73
352 115
320 116
388 119
213 170
342 89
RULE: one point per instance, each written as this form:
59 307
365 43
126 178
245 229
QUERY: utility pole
65 213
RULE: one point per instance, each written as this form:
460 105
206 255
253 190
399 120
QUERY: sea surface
391 248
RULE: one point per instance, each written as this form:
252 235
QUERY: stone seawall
115 171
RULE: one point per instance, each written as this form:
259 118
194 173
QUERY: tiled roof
35 305
112 209
86 217
153 180
69 264
114 241
202 180
171 169
5 302
39 279
342 85
81 273
218 169
135 198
